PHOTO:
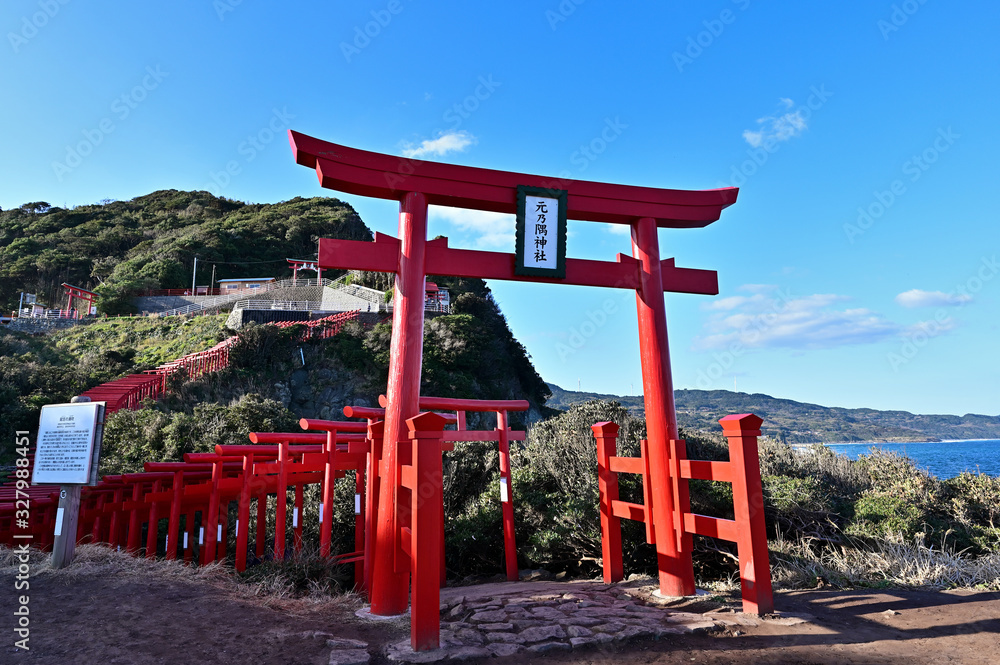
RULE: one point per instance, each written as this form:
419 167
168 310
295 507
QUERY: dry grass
102 560
275 589
889 562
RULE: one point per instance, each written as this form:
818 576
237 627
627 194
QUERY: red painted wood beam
382 255
389 177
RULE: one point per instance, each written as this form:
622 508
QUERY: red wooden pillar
606 434
676 572
114 527
280 512
188 536
506 498
389 587
748 503
261 535
153 528
425 483
376 431
682 496
297 517
134 536
95 533
210 522
222 532
174 523
243 514
359 525
326 509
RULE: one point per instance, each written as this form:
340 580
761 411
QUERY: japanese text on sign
541 217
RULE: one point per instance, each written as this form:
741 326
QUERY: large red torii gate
417 184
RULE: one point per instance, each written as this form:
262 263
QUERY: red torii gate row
205 484
417 184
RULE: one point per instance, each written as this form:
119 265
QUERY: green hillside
151 241
119 248
799 422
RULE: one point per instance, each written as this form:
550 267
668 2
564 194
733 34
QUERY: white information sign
69 437
541 229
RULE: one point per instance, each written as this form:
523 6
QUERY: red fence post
507 498
134 524
261 534
376 432
153 528
280 512
425 550
326 509
174 523
606 434
210 522
243 515
748 502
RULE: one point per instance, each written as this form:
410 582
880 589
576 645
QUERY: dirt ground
108 616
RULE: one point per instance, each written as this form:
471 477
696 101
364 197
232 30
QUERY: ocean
944 459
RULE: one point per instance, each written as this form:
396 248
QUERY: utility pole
193 274
212 285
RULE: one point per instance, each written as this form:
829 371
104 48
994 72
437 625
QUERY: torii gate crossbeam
417 184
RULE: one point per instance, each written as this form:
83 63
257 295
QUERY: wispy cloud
778 126
488 230
446 142
775 320
918 298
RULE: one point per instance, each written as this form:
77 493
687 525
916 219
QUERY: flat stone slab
506 618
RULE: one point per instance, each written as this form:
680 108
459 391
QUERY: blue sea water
944 459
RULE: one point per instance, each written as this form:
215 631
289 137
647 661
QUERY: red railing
742 470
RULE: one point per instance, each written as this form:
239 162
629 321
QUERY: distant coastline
802 423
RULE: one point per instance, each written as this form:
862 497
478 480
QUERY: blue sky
858 267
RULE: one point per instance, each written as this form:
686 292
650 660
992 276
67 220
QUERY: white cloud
445 142
774 128
777 320
918 298
619 229
489 230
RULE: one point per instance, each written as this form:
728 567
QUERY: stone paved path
507 618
